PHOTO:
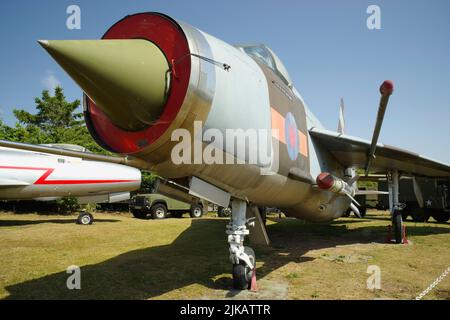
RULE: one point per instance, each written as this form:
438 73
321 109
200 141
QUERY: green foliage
67 205
367 185
56 121
53 112
148 181
89 207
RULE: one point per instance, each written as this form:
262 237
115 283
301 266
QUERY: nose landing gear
243 258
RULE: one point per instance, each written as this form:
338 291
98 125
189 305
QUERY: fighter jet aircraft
152 83
28 175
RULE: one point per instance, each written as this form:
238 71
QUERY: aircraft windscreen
264 55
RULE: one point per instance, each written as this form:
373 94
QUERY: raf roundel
291 134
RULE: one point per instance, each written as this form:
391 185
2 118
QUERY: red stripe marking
48 171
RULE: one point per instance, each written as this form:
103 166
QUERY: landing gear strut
395 207
243 258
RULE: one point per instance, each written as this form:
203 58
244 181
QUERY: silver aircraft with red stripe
26 175
152 80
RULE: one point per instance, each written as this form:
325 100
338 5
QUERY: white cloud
50 82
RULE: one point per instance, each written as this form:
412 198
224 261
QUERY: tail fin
341 124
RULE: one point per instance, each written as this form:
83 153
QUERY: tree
53 112
56 121
148 181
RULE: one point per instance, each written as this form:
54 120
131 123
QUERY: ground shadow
430 221
13 223
198 256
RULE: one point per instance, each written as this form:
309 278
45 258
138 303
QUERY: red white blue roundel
291 134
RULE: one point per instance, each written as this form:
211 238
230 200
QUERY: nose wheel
243 258
242 273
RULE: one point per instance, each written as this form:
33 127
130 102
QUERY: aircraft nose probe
127 79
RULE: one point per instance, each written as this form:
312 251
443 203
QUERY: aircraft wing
351 151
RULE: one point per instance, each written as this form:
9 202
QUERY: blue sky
325 45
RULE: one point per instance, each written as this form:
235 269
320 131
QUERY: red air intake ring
169 37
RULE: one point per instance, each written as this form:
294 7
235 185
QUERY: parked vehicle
157 206
226 212
434 194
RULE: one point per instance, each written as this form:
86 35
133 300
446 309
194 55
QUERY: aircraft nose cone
127 79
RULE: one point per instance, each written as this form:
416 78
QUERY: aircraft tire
242 274
158 211
239 278
397 225
85 218
196 211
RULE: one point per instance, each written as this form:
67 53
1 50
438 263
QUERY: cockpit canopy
265 55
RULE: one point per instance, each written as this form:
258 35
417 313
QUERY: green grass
126 258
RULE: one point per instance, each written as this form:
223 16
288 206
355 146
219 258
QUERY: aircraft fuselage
28 175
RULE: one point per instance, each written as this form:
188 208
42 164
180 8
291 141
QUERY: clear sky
326 46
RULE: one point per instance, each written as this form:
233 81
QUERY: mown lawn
126 258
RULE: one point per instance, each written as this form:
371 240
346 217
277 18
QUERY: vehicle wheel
397 225
159 211
224 212
346 213
441 217
419 215
242 274
139 214
85 218
196 211
177 214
